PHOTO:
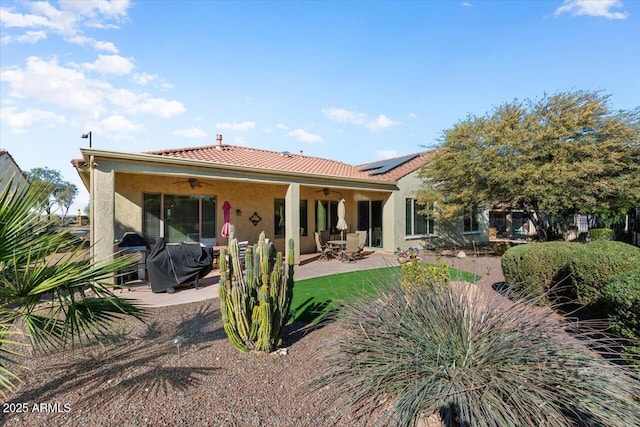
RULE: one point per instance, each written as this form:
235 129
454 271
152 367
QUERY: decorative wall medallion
255 219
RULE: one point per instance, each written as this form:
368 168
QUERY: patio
310 266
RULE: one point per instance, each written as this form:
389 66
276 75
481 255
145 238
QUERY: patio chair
351 250
362 240
324 251
242 249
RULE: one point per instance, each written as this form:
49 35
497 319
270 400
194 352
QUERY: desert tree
560 155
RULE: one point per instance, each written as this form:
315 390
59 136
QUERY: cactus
255 300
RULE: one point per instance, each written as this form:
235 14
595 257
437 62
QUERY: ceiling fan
326 191
193 183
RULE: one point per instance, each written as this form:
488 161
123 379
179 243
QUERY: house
181 194
10 171
632 226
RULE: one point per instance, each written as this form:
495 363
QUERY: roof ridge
243 147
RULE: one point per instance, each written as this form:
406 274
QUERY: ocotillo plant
255 300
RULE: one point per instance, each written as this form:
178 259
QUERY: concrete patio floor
311 266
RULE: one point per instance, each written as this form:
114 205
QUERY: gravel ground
139 380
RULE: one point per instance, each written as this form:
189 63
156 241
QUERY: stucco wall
249 197
9 170
446 233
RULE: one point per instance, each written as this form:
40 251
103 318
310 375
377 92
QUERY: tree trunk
539 219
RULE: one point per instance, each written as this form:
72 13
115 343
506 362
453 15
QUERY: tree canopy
561 155
53 189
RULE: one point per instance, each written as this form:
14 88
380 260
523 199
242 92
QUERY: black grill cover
170 265
130 239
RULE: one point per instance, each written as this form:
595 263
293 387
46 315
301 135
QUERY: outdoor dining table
337 245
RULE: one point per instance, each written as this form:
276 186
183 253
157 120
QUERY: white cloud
342 115
235 126
30 37
68 21
135 103
117 123
304 136
386 154
466 4
18 121
600 8
110 64
51 83
48 82
279 126
105 46
192 132
143 78
412 115
381 123
17 20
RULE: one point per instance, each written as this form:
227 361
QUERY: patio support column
102 211
292 223
389 224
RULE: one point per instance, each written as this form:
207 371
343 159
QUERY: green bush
431 278
501 247
602 234
621 295
406 354
595 263
534 268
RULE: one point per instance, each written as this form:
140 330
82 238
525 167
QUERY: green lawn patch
314 298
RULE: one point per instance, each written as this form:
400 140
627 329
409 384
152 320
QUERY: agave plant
59 301
408 354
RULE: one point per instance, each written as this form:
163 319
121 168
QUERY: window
178 218
471 219
304 230
327 216
279 217
419 218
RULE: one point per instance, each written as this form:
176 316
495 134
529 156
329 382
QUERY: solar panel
384 166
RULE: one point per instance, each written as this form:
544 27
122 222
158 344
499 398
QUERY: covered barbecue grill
170 265
130 243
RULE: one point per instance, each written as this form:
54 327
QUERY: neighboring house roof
8 162
233 155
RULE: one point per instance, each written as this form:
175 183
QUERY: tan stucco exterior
118 181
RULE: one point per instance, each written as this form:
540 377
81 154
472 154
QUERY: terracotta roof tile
233 155
287 162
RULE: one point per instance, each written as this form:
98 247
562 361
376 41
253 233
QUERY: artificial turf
314 298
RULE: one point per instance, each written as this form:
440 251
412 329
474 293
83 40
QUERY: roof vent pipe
219 142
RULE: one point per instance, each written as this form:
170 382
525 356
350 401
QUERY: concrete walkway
310 266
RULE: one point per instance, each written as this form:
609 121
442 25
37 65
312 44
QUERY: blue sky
354 81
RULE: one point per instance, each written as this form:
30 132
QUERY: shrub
406 354
425 276
621 296
595 263
602 234
534 268
501 247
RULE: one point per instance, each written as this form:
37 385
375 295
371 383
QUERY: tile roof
288 162
234 155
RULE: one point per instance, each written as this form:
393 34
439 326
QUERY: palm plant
409 353
59 300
